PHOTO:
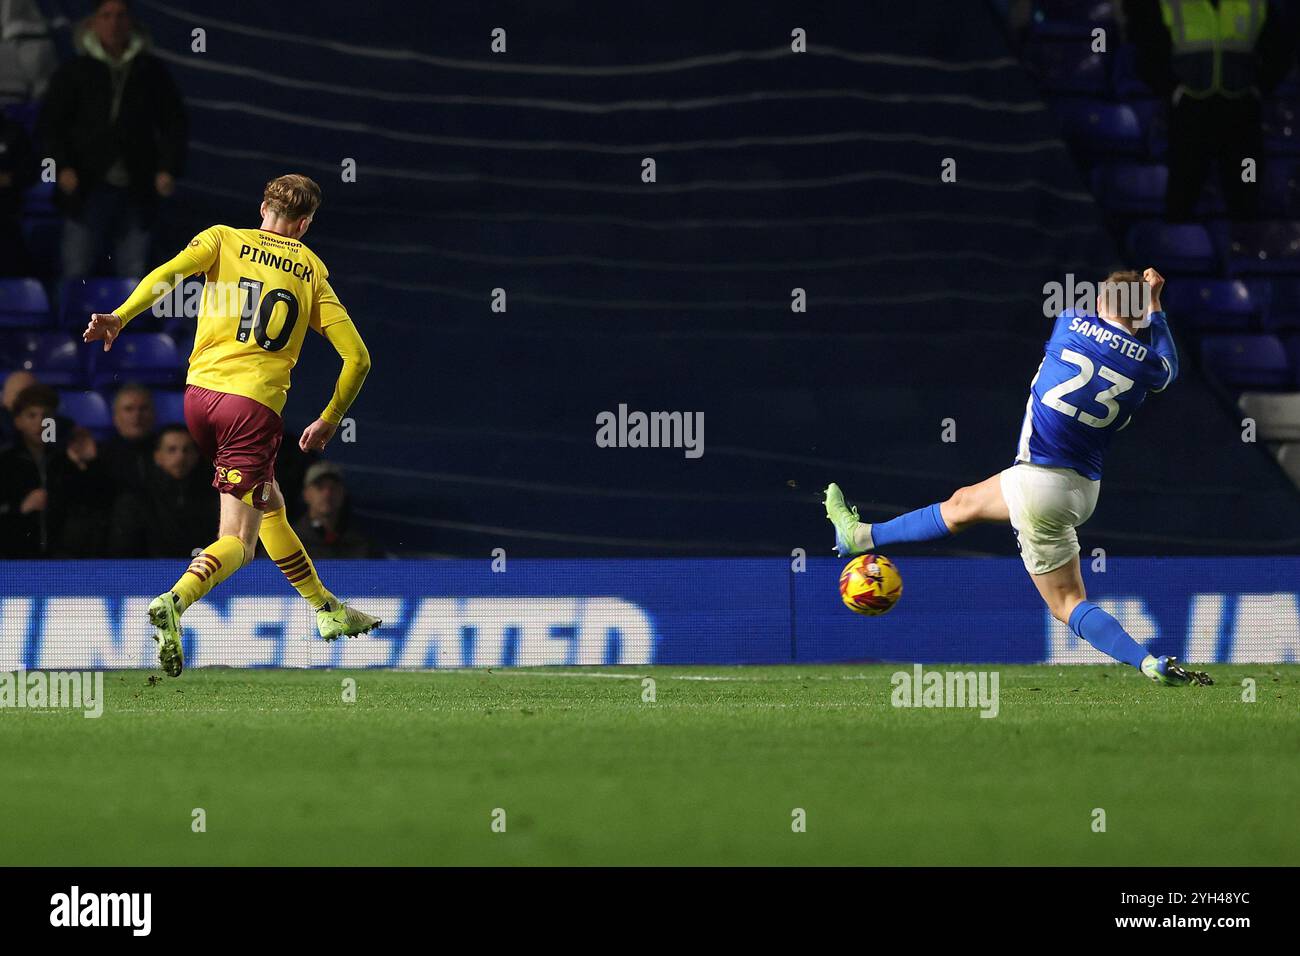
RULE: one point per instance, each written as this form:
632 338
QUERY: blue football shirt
1093 377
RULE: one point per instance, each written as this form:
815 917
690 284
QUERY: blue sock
1104 633
923 524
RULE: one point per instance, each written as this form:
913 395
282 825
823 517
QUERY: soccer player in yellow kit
264 290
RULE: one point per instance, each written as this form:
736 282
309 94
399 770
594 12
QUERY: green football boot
336 620
845 520
165 617
1167 671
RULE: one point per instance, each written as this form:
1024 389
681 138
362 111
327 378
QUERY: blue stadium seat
169 407
88 409
81 297
24 114
1292 346
1153 117
181 330
1280 185
1265 248
54 357
1283 311
1139 189
1125 84
1281 121
1067 66
1097 128
150 359
1174 248
23 304
13 348
1071 18
1215 304
39 200
1290 85
1247 361
1132 188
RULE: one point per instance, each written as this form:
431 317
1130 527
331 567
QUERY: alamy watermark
42 690
130 910
922 688
633 429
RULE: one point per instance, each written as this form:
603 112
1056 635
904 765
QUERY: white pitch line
772 679
519 673
511 672
597 675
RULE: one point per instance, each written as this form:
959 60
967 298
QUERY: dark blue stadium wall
819 171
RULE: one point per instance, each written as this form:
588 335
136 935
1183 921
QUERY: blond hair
292 196
1124 294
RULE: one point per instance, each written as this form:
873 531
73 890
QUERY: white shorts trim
1046 505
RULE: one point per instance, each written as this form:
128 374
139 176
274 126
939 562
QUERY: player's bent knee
247 537
1063 607
959 507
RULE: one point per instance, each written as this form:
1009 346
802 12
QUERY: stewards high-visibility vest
1214 49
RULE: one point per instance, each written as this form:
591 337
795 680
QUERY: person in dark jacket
27 54
325 528
128 455
173 510
54 497
18 171
15 383
115 125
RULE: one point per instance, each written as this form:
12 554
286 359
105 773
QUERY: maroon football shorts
240 437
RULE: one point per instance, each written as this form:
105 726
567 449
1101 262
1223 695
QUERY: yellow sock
218 561
284 547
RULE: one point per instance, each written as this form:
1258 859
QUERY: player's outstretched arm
1162 340
105 327
1155 284
356 366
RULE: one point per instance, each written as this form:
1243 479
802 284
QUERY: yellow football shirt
263 292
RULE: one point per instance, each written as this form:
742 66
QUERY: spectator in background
325 527
18 171
115 125
129 455
53 498
15 383
172 511
27 57
1212 61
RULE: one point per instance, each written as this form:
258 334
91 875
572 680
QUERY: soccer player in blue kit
1094 374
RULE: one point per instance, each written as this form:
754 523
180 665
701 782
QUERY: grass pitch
709 773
